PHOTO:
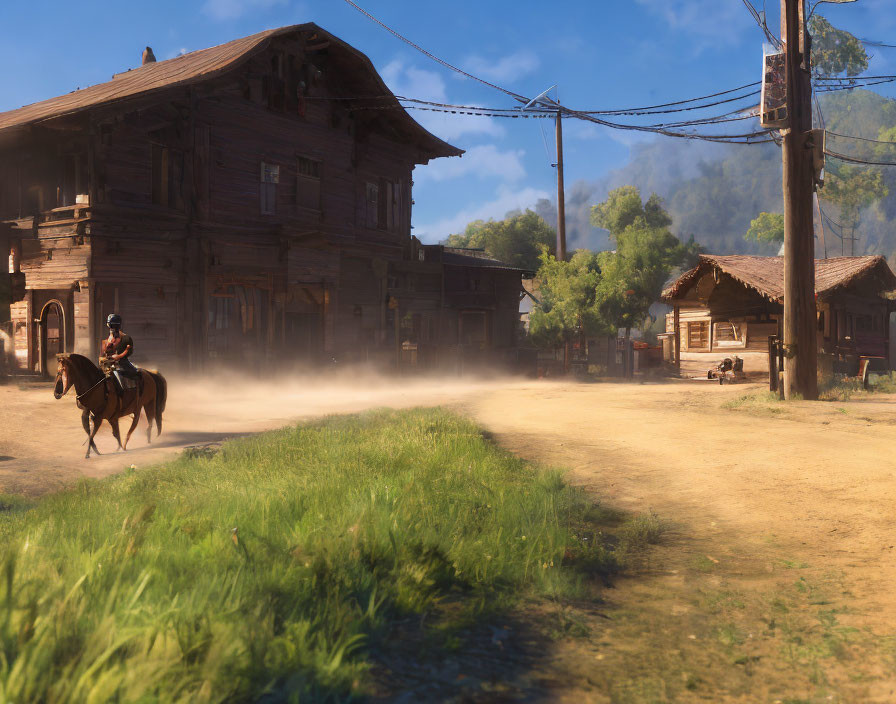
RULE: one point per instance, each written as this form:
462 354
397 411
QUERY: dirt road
42 443
774 582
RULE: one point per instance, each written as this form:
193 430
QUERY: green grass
761 403
272 570
843 389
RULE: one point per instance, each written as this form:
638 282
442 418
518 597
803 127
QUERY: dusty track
42 442
775 581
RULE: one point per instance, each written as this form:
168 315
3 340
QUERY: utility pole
561 200
800 344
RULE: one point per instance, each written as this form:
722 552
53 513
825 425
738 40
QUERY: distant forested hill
713 191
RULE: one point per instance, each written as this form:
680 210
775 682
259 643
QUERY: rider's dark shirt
124 342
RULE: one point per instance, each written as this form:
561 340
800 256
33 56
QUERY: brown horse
97 398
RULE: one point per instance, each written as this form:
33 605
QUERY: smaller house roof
457 256
766 274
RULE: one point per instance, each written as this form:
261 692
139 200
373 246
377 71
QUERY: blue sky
602 54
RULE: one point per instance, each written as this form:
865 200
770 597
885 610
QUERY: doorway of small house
51 331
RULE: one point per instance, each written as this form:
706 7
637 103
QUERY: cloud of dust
228 401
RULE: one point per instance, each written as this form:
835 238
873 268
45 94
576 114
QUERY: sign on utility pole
800 344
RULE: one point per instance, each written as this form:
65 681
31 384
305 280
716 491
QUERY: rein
80 396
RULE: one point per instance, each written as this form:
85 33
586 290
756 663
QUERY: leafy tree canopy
623 208
517 240
852 188
568 305
598 293
768 228
835 51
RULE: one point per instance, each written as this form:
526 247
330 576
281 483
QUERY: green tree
852 189
633 275
835 51
568 307
517 240
768 228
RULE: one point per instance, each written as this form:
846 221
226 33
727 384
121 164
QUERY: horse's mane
85 367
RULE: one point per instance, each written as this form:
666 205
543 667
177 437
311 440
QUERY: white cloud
711 22
412 82
480 162
580 129
506 199
507 68
231 9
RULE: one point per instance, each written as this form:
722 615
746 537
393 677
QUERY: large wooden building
731 305
248 203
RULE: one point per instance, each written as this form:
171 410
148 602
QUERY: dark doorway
52 335
304 324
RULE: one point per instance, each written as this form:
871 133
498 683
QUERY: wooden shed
248 204
730 305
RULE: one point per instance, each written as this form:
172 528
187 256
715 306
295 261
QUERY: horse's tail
161 399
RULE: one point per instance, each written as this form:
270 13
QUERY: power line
860 139
650 111
435 58
762 22
617 112
855 160
882 45
854 86
853 78
740 138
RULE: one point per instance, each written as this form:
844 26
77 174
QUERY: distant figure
116 350
148 56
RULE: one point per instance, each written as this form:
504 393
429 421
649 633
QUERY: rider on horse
116 349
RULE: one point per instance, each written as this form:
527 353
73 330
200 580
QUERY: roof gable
204 64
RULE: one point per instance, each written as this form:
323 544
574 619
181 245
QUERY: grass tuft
273 568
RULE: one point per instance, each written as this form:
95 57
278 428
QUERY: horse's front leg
85 423
97 422
133 425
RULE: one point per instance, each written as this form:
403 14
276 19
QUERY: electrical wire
882 45
435 58
536 109
853 87
855 160
763 24
853 78
860 139
636 111
690 100
736 139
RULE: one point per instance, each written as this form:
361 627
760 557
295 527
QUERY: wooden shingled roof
204 64
766 274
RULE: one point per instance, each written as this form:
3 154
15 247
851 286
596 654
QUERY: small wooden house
730 305
248 204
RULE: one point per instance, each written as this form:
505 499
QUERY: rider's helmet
114 320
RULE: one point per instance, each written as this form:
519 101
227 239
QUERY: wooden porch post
676 339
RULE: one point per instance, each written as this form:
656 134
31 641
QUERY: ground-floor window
238 322
473 330
698 334
728 334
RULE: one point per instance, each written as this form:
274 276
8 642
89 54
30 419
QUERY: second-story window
308 190
384 209
270 177
373 204
167 177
